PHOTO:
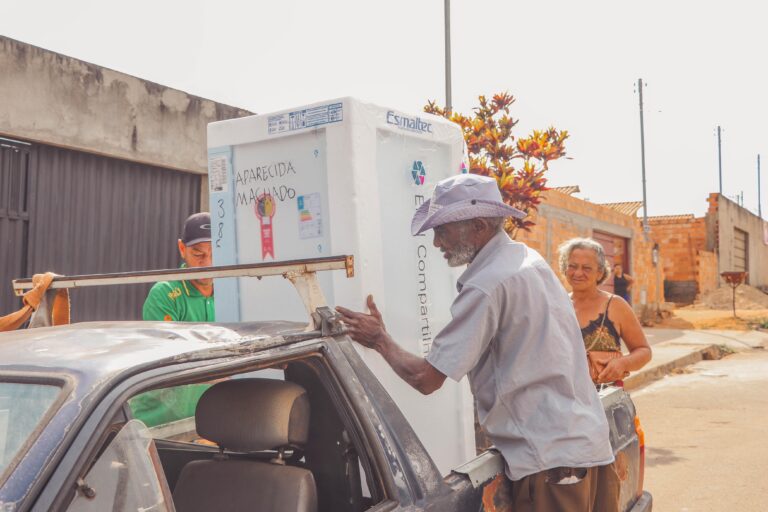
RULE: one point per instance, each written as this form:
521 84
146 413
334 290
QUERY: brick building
694 251
689 268
562 216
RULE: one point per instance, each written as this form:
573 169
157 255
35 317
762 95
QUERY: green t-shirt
173 301
178 301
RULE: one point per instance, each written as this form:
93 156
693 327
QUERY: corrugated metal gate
94 214
14 217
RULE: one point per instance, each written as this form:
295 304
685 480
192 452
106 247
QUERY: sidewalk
676 348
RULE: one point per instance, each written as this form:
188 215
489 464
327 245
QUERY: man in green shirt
186 301
180 301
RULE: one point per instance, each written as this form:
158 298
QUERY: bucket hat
462 197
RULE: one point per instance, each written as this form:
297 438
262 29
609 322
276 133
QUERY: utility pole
719 160
448 103
646 229
642 158
759 201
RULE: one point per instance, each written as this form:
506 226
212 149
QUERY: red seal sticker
265 210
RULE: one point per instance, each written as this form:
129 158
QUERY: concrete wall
730 215
51 98
562 217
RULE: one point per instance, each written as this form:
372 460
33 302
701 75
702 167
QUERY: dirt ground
714 310
747 297
688 318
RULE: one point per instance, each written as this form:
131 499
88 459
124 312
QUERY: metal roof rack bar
281 268
301 273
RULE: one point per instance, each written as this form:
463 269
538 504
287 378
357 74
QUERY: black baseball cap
197 229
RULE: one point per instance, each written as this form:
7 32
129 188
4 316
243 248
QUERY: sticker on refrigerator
306 118
310 216
217 174
265 210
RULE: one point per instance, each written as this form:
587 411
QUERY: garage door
615 251
740 252
78 213
14 218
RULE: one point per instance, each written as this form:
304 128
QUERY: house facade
696 250
561 216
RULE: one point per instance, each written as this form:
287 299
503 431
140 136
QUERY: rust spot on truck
497 495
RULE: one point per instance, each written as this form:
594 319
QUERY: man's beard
461 255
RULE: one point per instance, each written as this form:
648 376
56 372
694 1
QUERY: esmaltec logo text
414 124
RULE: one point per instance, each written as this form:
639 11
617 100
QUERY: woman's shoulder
618 307
607 297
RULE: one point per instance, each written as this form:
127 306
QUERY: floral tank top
600 334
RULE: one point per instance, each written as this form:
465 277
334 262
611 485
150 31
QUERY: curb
644 377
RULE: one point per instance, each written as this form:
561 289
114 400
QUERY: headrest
248 415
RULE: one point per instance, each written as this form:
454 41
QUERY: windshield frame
62 381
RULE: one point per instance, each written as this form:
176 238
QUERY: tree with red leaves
518 164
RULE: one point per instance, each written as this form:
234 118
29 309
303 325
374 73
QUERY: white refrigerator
344 177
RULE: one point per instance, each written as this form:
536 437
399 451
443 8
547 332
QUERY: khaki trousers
594 489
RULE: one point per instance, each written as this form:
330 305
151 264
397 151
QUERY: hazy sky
570 64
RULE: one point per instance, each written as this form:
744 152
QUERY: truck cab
291 420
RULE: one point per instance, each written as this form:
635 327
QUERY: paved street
707 446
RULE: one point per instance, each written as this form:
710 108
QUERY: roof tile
627 208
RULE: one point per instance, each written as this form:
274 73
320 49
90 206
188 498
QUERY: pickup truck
292 420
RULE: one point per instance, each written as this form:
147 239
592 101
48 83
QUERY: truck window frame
82 451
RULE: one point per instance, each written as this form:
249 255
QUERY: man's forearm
414 370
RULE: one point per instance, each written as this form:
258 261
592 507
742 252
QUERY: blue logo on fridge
418 172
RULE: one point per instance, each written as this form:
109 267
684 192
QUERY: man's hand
369 331
615 370
366 329
41 283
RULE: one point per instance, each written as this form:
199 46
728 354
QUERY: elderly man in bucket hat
514 333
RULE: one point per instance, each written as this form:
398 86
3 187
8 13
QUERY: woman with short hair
605 319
